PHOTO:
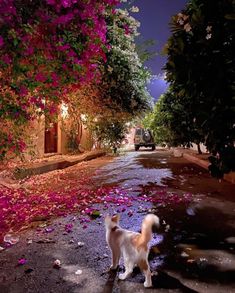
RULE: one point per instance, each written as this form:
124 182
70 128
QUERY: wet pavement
196 240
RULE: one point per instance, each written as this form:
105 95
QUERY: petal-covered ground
59 193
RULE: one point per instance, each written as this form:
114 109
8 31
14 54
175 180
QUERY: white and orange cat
132 246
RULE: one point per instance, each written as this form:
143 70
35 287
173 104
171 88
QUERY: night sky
154 16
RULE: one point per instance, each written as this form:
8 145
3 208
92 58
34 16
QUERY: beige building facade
52 138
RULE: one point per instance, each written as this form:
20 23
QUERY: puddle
128 171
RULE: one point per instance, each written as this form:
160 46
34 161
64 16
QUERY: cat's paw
122 276
147 284
113 268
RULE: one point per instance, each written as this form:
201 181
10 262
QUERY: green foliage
157 120
109 132
200 71
144 51
72 141
171 122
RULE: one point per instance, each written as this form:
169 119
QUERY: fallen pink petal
22 261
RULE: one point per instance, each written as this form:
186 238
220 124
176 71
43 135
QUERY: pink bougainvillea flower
40 77
64 19
21 145
22 261
51 2
66 3
1 41
29 51
23 91
68 228
63 47
6 59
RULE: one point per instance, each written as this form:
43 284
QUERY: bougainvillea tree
124 77
200 69
121 93
48 49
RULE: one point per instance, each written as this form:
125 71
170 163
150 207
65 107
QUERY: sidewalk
202 160
52 163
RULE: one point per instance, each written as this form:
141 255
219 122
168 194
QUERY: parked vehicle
143 138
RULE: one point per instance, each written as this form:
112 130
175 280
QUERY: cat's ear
116 218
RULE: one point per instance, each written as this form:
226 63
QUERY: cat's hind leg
128 270
144 266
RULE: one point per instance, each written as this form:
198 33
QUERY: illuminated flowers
134 9
48 49
208 30
181 18
187 27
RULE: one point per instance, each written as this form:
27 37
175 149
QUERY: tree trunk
199 149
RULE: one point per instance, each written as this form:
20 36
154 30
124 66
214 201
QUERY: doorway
51 137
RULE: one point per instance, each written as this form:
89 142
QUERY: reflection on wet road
135 169
196 240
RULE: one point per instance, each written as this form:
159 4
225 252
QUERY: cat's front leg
128 271
115 259
123 276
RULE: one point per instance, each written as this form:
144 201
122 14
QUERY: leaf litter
70 192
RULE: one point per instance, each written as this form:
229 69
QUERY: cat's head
111 221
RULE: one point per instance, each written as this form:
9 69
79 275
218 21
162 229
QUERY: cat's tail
146 228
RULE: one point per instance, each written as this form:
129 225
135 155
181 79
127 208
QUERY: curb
230 177
44 167
204 164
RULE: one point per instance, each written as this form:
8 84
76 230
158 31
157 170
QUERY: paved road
196 239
